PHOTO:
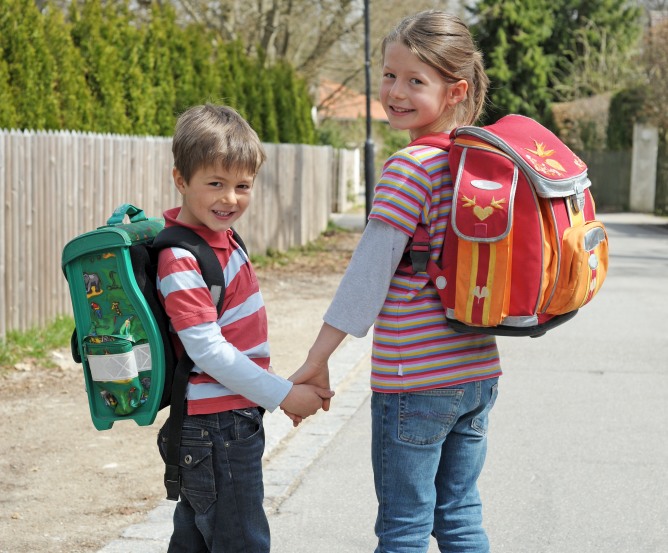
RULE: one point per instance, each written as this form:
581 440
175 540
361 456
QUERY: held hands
304 400
315 371
315 379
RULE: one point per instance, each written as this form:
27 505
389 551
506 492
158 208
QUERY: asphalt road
578 446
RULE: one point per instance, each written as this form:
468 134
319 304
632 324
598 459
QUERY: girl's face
414 95
215 197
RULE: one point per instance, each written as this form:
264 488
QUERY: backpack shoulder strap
419 246
438 140
212 272
214 277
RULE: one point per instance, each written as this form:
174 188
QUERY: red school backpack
523 250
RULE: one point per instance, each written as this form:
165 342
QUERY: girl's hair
215 135
444 42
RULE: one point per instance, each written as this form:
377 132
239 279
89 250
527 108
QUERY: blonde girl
432 387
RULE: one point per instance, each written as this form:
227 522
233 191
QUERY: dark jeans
220 507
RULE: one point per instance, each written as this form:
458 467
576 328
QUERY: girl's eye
388 75
416 81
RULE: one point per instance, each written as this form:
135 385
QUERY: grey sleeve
363 289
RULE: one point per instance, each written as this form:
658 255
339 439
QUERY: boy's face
215 197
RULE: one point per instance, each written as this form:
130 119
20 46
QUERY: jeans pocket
480 422
247 423
427 417
198 482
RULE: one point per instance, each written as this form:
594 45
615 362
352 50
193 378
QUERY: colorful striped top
413 347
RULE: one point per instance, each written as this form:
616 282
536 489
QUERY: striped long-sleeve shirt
413 347
231 353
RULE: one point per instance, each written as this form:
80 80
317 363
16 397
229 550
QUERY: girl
432 387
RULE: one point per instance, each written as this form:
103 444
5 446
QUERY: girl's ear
179 181
457 92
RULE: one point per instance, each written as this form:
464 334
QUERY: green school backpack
121 334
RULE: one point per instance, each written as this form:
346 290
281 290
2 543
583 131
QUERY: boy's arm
193 316
209 350
233 369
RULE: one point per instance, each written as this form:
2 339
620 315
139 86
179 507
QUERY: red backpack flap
554 170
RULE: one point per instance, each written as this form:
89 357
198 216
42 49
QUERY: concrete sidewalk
577 447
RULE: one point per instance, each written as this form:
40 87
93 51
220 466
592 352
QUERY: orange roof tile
337 101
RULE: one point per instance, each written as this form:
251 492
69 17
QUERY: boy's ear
457 92
179 181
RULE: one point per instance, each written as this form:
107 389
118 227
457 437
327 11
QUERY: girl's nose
397 90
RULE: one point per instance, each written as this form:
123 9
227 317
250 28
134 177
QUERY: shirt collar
214 239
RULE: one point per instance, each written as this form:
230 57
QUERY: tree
323 38
512 35
30 65
157 62
8 117
539 51
594 42
98 42
74 99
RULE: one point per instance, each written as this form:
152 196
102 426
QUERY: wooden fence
54 186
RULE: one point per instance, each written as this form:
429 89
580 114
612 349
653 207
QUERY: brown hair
215 135
444 42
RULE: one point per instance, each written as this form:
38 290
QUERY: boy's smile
215 197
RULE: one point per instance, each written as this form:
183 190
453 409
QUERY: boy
216 158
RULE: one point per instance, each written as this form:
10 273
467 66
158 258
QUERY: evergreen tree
158 65
511 36
534 49
303 115
99 44
596 41
229 87
73 96
136 85
8 117
237 87
185 69
285 102
30 65
266 111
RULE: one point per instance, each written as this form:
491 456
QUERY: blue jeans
220 506
428 449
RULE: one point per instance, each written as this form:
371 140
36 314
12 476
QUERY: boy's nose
228 196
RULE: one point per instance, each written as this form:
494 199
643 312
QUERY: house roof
337 101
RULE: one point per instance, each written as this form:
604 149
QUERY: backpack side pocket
583 267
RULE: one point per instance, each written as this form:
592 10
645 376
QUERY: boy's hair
215 135
444 42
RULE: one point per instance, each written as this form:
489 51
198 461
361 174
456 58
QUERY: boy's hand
304 400
316 374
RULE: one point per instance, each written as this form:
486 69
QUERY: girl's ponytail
478 98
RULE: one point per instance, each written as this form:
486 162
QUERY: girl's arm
358 299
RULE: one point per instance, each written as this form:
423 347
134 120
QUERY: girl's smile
414 95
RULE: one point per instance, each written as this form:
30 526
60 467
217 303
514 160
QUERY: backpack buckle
419 256
172 482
